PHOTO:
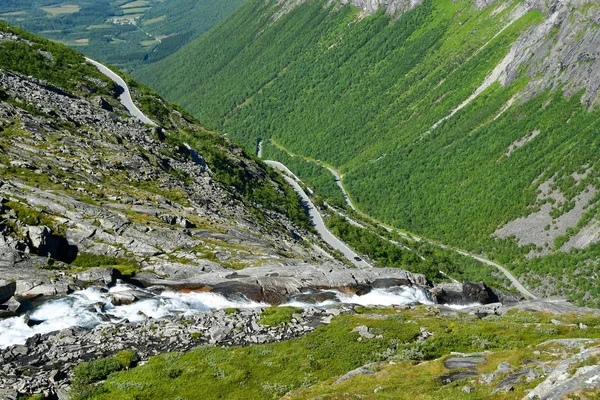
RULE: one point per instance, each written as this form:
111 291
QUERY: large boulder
465 294
9 308
7 290
99 276
478 293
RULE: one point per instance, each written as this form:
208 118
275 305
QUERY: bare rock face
561 52
393 7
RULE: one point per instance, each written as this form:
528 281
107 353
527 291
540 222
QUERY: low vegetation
275 316
87 375
126 266
307 367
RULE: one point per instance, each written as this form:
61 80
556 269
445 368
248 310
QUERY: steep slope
470 122
83 184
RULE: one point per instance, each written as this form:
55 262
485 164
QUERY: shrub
87 374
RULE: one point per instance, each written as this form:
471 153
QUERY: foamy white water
90 307
462 306
398 296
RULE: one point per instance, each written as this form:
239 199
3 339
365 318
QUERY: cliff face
561 53
393 7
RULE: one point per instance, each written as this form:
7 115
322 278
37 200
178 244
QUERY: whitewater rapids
92 306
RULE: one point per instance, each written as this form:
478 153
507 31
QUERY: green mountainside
120 32
470 123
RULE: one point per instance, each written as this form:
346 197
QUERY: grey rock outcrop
7 290
274 284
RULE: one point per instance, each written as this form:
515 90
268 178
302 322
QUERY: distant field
101 21
129 11
154 20
99 26
61 9
133 4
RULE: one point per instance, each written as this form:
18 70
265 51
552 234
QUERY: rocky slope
80 178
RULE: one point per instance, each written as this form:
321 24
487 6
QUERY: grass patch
275 316
61 9
309 365
154 20
87 374
127 266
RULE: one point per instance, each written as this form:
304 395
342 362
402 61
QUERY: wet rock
9 308
469 293
122 298
478 293
310 296
7 290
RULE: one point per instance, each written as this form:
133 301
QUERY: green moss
87 374
275 316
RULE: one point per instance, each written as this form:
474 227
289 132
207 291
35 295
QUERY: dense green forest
124 33
388 249
365 94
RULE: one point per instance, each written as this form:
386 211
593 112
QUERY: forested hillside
124 33
470 123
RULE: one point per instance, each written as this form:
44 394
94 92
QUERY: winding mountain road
506 273
522 289
316 218
125 97
338 181
292 179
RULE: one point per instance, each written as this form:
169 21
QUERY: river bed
94 306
